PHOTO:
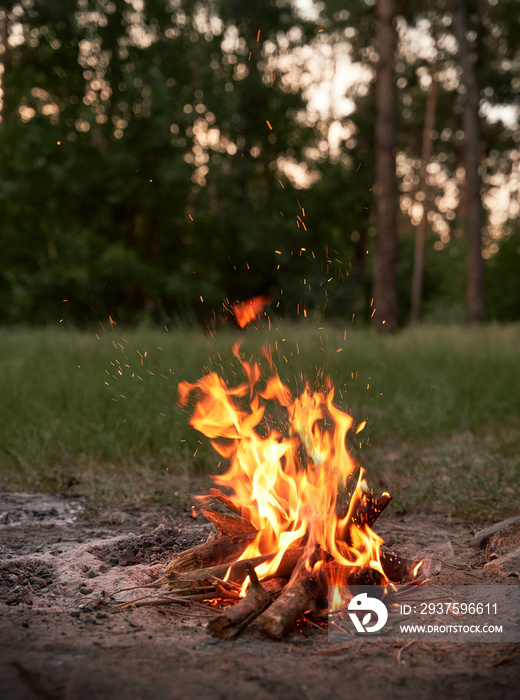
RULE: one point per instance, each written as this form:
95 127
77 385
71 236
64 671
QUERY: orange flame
290 481
251 310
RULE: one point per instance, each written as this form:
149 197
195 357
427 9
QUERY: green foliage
141 150
107 199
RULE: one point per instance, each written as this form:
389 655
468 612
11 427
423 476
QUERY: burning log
231 503
367 510
297 597
221 551
397 569
237 570
227 524
370 508
230 623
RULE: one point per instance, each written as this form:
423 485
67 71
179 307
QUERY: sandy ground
58 559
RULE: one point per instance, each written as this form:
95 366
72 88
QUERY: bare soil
60 558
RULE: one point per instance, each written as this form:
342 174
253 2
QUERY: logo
372 607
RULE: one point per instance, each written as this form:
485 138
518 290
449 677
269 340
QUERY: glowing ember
251 310
292 479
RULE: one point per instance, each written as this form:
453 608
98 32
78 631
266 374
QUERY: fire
291 469
251 310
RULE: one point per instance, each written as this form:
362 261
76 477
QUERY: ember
303 513
250 310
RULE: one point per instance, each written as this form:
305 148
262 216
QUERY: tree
420 235
138 169
472 160
384 284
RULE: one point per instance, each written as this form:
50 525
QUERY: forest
165 159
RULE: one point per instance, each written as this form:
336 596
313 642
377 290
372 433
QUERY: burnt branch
297 597
227 524
230 623
237 570
221 551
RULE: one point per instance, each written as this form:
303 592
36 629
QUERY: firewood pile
212 575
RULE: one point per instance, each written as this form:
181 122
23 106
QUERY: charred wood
221 551
231 503
297 597
237 570
395 567
227 524
230 623
367 510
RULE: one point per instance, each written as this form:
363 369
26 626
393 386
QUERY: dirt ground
59 558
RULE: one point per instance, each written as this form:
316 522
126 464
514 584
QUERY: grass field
96 412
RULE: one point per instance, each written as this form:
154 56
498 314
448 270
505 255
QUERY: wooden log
234 619
397 568
227 524
221 551
238 571
354 576
368 509
231 503
297 597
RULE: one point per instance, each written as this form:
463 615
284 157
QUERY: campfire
298 512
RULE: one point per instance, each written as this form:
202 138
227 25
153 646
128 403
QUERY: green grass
99 415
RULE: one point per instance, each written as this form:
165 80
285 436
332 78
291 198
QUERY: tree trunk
471 123
6 59
386 189
420 235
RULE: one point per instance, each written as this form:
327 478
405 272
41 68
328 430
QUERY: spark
360 428
268 124
417 567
